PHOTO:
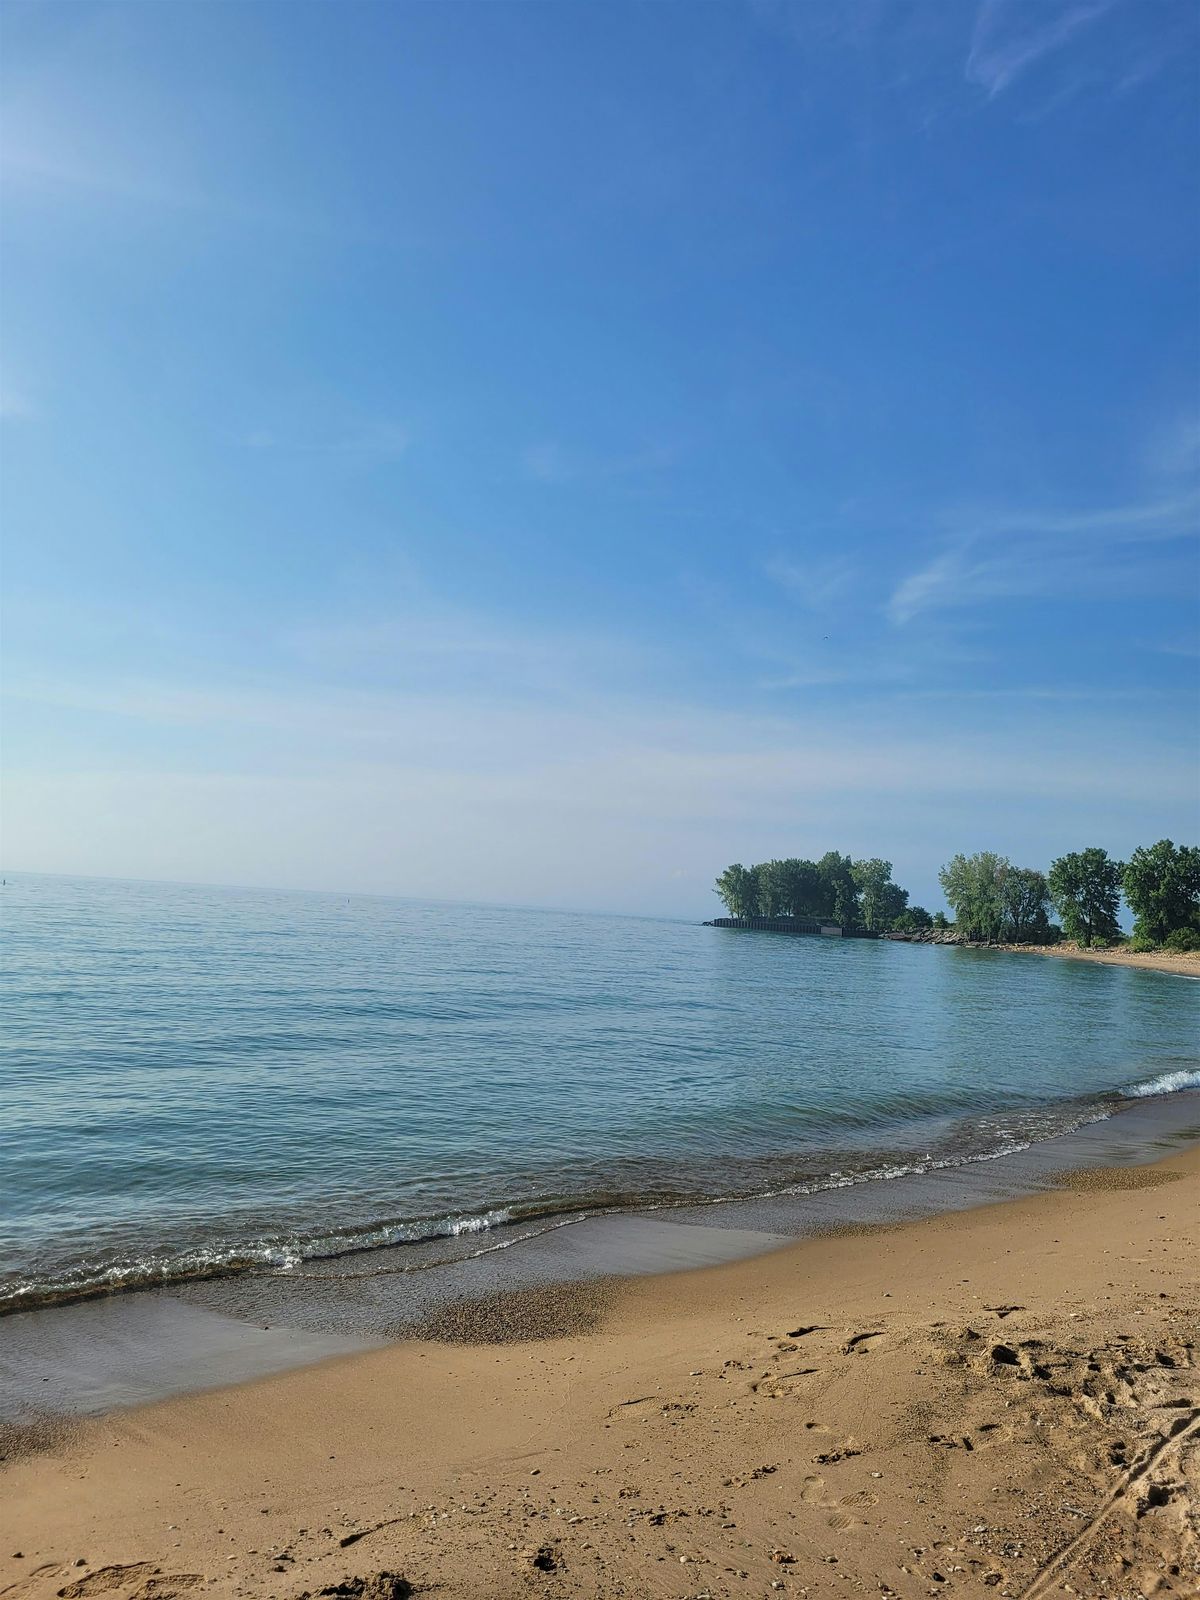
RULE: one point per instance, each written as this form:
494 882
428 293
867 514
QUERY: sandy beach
996 1402
1156 961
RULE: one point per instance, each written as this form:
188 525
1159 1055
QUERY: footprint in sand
862 1498
814 1493
105 1579
147 1582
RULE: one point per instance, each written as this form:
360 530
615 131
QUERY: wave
296 1254
86 1281
1165 1083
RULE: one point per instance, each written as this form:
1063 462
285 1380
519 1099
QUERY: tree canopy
881 900
854 894
738 889
1086 889
993 901
971 885
1162 885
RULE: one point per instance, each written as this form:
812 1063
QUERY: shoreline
946 1405
449 1241
141 1345
1183 966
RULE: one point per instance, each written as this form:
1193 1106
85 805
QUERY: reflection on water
199 1077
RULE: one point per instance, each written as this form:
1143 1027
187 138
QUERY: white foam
1166 1083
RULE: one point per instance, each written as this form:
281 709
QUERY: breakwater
824 930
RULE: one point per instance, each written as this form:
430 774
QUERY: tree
738 889
1162 885
972 886
1023 897
913 919
882 900
839 890
1086 889
801 884
940 921
774 889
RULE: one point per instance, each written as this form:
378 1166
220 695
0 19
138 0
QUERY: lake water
199 1080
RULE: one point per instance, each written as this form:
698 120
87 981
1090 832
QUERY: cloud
1010 37
436 752
1028 553
816 585
602 801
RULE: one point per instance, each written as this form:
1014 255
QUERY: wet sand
133 1348
1187 966
996 1401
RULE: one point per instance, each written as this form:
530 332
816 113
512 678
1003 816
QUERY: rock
378 1586
542 1558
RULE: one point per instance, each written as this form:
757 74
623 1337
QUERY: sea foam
1166 1083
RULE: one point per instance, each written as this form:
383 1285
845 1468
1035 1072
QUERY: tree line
992 901
859 895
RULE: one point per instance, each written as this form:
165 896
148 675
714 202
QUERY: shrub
1183 941
1141 945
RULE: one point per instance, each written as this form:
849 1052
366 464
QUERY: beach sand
1157 961
1003 1401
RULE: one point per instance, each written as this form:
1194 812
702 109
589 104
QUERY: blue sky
543 452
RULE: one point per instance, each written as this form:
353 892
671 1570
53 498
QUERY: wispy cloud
1010 554
609 800
1186 649
1010 37
816 585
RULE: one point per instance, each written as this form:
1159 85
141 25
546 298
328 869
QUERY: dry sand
1158 961
1002 1402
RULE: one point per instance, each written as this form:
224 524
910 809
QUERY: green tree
973 889
913 919
1024 897
738 889
1086 889
801 887
1162 885
774 889
839 899
881 901
940 921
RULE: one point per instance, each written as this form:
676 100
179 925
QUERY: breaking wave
1166 1083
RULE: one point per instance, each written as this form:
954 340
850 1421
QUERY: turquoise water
198 1080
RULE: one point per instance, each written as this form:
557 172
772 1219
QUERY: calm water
198 1078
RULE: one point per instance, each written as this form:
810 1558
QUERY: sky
542 452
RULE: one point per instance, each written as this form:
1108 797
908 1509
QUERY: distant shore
1153 961
988 1402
